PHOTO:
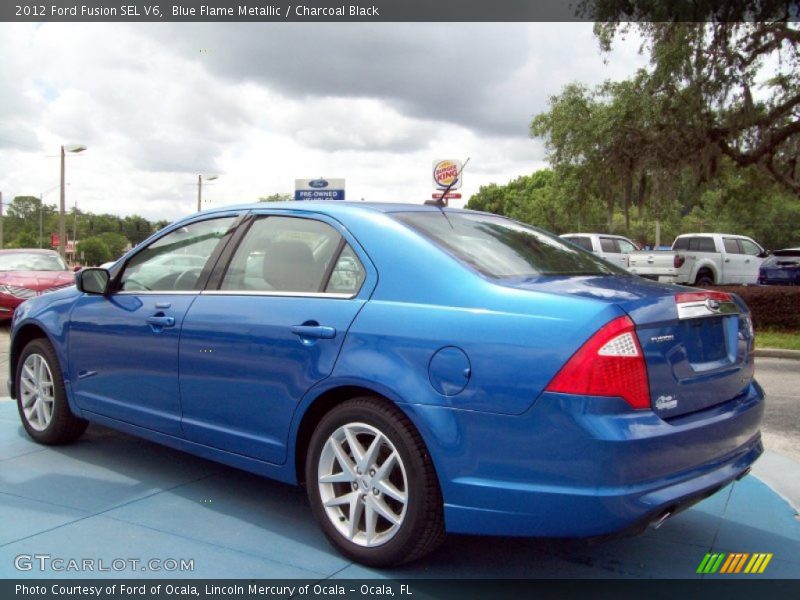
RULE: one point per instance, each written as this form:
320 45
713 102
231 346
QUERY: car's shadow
133 481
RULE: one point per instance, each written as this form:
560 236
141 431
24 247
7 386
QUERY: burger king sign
445 173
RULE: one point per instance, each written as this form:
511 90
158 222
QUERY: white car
613 248
703 259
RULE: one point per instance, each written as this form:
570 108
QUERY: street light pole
200 189
62 219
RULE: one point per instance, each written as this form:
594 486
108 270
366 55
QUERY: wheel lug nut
372 472
355 485
358 471
375 491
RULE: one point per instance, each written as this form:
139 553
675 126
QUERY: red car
26 273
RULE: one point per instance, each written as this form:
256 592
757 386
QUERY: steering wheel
186 280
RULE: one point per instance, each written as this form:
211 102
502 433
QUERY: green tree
115 242
94 251
277 197
23 239
727 76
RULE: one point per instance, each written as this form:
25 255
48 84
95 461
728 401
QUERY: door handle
161 321
314 331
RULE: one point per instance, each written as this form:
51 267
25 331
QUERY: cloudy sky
261 104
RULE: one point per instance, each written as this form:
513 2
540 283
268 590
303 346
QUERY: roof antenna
440 202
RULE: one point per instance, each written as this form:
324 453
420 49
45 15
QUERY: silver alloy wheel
38 392
362 484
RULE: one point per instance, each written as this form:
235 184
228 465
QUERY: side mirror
92 281
764 254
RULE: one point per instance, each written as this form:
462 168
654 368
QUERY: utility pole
74 231
1 220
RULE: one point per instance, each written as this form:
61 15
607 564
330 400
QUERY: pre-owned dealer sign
319 189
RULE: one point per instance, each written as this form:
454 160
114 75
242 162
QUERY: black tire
62 427
421 526
704 279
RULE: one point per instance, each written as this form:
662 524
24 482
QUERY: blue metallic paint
511 458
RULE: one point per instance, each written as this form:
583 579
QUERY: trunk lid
698 345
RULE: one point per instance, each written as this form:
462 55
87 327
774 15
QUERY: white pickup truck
702 259
614 248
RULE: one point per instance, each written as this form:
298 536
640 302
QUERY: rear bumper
579 467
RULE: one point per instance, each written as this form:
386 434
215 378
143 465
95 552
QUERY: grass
773 338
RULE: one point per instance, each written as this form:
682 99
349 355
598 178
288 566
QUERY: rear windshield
504 249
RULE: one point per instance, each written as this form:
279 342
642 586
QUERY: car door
271 329
124 346
733 261
610 251
752 261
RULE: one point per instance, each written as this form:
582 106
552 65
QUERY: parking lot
113 496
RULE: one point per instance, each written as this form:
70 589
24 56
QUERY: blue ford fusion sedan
421 370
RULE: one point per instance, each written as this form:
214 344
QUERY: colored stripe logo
735 562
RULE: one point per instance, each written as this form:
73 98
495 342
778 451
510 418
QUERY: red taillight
684 297
678 261
610 363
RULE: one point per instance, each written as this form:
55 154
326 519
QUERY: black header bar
374 11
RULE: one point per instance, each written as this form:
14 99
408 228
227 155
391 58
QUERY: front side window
750 248
175 261
504 249
293 255
626 247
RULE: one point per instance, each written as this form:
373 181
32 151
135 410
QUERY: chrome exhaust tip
660 520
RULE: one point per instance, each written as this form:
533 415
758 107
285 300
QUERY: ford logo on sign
318 183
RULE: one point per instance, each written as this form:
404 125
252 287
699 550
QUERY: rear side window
702 244
580 240
293 255
609 245
504 249
695 244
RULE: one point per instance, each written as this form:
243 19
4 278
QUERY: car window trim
223 242
326 276
214 285
333 295
223 261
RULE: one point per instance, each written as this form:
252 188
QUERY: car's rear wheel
372 484
41 399
704 278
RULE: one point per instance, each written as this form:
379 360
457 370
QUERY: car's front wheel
41 399
372 484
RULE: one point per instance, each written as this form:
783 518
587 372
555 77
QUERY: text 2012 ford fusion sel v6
420 370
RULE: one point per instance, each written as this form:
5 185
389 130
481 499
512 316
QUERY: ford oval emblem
318 183
713 305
